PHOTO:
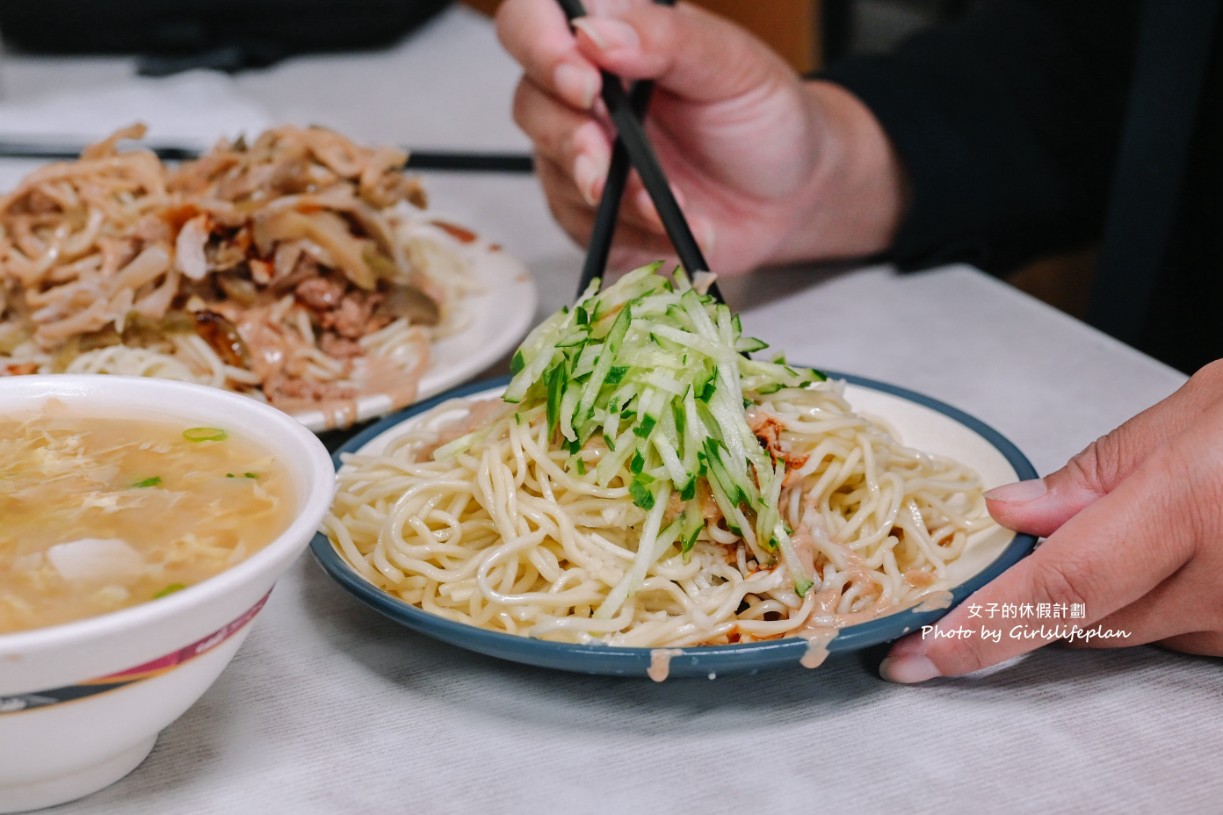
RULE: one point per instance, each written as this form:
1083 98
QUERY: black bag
228 35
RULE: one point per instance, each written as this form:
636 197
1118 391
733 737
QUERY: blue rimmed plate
920 421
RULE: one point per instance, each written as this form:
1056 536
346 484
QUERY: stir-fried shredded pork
275 267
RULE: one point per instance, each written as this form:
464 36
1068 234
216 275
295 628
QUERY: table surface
329 707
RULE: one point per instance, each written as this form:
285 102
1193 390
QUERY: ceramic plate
496 318
920 421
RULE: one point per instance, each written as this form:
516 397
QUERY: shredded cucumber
660 374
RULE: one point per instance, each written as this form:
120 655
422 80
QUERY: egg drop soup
100 514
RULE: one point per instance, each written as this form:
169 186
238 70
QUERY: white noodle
509 536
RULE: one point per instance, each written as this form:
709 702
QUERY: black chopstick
62 151
645 161
598 248
442 160
473 162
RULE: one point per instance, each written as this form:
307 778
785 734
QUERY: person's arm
1006 122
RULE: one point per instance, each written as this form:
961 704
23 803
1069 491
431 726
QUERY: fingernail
908 669
576 84
607 33
706 235
586 174
1020 492
645 206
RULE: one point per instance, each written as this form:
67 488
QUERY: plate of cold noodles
299 268
650 494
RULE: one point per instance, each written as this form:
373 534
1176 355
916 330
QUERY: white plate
920 422
497 318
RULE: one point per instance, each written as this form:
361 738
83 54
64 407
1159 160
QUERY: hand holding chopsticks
625 108
598 249
777 169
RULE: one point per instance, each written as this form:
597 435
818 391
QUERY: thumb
1042 505
687 51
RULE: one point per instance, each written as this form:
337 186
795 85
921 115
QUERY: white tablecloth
329 707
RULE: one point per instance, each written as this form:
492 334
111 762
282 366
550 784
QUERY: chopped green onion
151 481
168 590
198 434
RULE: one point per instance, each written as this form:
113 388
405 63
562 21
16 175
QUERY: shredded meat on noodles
274 267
